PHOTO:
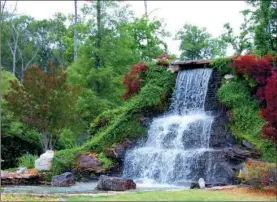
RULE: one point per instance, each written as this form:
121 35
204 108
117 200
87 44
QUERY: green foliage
6 77
44 102
197 43
64 160
27 160
106 162
67 139
116 125
222 66
246 122
104 119
16 138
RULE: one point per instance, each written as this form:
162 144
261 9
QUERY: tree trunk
147 40
14 62
46 141
145 7
98 43
75 31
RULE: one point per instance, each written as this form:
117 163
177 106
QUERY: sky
210 14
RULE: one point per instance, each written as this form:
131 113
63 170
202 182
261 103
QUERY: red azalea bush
132 78
264 72
269 113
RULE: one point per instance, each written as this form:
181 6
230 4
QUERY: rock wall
212 102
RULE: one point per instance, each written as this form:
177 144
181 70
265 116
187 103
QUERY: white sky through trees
210 14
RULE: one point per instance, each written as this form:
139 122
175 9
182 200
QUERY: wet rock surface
63 180
117 151
115 184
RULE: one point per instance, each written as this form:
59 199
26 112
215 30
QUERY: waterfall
177 149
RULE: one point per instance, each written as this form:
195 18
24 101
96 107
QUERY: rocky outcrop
247 145
44 162
220 133
63 180
115 184
24 179
117 151
90 162
239 155
4 174
22 176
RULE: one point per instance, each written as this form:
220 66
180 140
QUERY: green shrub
64 160
246 122
222 66
27 160
106 161
67 139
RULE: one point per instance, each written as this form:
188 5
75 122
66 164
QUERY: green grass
27 160
185 195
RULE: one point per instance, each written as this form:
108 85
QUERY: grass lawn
185 195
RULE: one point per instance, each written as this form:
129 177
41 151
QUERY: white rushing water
177 148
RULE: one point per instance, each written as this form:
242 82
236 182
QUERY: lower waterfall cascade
177 150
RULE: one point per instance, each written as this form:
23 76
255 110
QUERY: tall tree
264 17
243 41
98 45
75 30
44 101
145 9
197 43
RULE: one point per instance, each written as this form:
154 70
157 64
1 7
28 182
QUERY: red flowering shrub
132 78
269 113
262 70
254 66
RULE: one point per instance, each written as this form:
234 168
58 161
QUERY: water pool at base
82 187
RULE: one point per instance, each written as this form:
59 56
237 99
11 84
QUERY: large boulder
65 179
44 162
201 183
90 162
115 184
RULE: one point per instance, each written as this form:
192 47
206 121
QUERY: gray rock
201 183
194 185
22 171
235 153
115 183
228 76
247 145
65 179
44 162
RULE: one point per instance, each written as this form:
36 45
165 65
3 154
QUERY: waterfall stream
177 149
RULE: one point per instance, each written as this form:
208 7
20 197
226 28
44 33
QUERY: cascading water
177 148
